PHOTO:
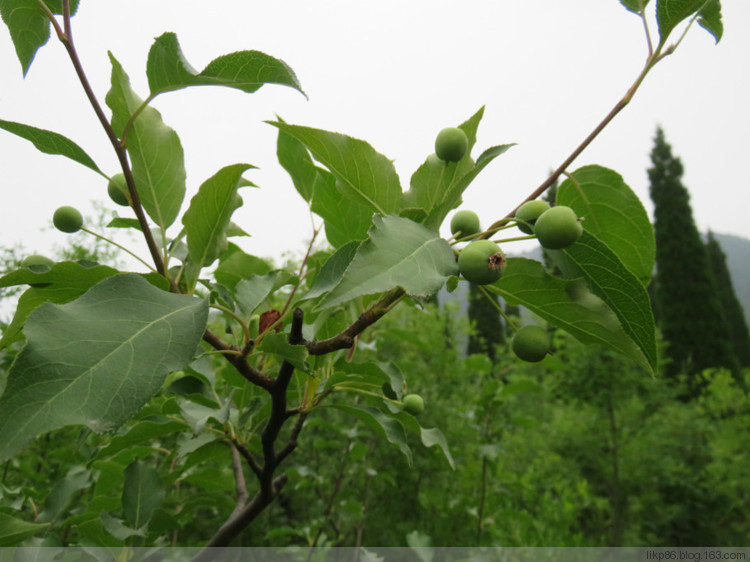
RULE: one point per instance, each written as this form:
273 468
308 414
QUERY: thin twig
239 481
67 40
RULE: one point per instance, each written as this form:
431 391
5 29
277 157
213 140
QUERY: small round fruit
465 223
529 212
451 144
531 343
482 262
413 404
557 227
117 188
67 219
36 259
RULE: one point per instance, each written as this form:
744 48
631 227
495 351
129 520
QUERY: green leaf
617 287
117 528
62 283
452 196
154 148
60 497
250 293
141 432
670 13
50 142
14 531
236 265
28 25
399 253
710 19
567 304
333 270
635 6
95 361
385 426
345 219
167 69
209 215
278 345
296 160
363 174
613 213
432 437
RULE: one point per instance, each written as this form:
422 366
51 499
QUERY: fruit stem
123 248
499 308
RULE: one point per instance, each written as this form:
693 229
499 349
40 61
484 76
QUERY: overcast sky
393 73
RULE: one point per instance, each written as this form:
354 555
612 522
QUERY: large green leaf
615 285
95 361
345 218
209 215
154 148
62 283
364 175
613 213
333 270
710 19
14 531
50 142
670 13
142 492
567 304
167 69
28 25
385 426
452 197
398 253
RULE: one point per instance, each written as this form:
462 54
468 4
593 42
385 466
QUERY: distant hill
738 261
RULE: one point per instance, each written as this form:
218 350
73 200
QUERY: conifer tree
690 314
738 332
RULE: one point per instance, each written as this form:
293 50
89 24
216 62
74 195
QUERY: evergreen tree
487 327
690 314
738 332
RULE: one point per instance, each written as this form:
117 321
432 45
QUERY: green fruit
37 260
117 188
67 219
529 212
451 144
557 227
482 262
465 223
413 404
531 343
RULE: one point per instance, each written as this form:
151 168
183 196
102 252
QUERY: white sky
392 73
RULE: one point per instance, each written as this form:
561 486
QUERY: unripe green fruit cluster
529 212
465 223
558 227
67 219
413 404
482 262
531 343
117 188
451 144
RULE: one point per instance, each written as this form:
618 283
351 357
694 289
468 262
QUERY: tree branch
345 339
